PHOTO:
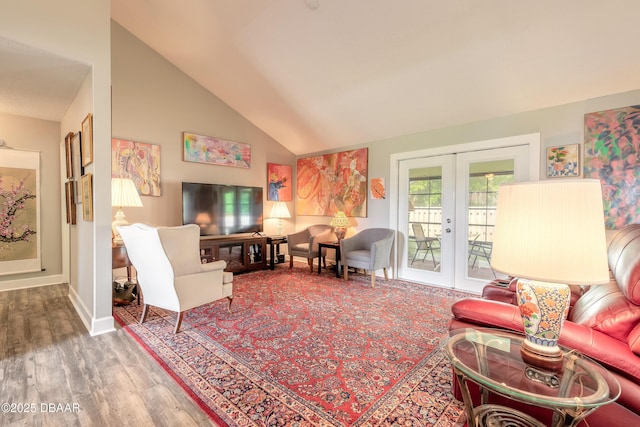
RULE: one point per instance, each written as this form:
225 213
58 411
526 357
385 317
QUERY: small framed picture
71 204
279 182
563 161
68 151
87 197
87 140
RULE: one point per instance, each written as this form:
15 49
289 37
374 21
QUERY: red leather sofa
603 323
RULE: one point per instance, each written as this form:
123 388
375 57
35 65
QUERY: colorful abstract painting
563 161
19 212
138 161
333 182
279 182
216 151
611 154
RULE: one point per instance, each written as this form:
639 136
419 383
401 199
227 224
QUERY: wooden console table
120 259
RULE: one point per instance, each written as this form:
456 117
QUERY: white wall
154 102
79 30
557 125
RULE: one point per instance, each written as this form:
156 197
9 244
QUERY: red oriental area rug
306 349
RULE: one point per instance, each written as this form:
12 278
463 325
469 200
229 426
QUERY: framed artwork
68 151
333 182
279 182
87 140
611 150
563 161
20 213
138 161
78 169
378 189
215 151
69 191
87 197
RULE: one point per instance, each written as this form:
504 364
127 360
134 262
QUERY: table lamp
123 194
549 234
279 210
340 222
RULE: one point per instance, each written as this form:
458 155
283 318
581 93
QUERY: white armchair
370 249
169 271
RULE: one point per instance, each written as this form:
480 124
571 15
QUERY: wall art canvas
138 161
19 212
378 188
563 161
611 153
216 151
279 182
333 182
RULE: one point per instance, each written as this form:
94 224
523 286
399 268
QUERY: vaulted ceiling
323 74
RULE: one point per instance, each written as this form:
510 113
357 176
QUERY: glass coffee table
492 360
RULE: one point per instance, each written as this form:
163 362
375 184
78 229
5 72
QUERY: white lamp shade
551 231
124 193
280 210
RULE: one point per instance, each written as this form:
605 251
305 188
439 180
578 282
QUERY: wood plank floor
51 366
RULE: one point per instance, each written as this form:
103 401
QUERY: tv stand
242 252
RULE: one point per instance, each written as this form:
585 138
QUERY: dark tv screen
222 209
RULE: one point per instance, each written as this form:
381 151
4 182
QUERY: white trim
33 282
102 326
532 140
93 325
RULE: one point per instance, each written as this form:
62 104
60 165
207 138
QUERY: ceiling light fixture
312 4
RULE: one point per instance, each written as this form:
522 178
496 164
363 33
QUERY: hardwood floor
50 366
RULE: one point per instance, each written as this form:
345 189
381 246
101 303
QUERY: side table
274 243
491 359
120 259
330 245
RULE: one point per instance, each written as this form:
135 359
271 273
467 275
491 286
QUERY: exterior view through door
446 213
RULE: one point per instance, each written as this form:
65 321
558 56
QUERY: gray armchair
370 249
304 243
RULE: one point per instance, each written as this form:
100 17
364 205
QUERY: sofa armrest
216 265
610 352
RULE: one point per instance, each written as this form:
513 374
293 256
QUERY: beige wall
42 136
154 102
79 30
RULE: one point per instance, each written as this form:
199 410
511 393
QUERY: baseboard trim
32 282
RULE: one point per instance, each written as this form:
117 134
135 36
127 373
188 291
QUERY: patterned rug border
207 397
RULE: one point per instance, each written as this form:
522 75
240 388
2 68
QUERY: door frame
532 140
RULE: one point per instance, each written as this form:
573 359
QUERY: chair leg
310 261
386 275
230 298
143 317
178 322
290 262
373 278
345 268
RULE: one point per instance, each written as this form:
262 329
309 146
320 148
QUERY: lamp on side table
549 234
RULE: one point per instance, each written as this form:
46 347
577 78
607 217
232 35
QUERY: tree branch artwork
13 200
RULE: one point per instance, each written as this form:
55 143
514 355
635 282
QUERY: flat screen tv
222 209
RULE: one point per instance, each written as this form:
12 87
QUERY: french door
446 211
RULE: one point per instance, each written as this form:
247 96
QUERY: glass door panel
425 219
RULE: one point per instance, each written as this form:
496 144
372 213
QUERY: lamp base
549 359
340 232
119 220
543 307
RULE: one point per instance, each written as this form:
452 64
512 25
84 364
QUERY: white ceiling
356 71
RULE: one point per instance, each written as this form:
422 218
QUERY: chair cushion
361 255
227 277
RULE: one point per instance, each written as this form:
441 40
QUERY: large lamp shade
549 234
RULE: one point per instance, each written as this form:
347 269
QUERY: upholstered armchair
370 249
169 271
304 243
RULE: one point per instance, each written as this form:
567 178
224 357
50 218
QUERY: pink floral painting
611 150
333 182
563 161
